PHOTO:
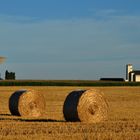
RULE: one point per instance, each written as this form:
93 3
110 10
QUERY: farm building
132 75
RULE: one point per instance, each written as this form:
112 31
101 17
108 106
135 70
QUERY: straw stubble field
123 121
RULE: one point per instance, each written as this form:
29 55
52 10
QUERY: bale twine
85 106
27 103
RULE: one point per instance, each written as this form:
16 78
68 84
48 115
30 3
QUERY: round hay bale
27 103
85 106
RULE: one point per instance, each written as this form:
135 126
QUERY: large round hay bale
27 103
85 106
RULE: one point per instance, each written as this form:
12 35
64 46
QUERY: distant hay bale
27 103
85 106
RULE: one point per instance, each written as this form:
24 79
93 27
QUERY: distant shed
112 79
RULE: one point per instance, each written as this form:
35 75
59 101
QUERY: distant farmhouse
132 75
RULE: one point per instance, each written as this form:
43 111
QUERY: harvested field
123 122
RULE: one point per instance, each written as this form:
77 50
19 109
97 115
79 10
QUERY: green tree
10 75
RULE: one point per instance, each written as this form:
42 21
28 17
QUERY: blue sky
69 39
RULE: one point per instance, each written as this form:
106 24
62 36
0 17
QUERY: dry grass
123 122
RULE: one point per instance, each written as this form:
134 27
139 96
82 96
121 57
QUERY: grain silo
129 68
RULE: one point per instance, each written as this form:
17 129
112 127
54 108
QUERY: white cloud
105 12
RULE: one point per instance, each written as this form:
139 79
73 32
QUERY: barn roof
137 72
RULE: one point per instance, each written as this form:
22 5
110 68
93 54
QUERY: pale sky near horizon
69 39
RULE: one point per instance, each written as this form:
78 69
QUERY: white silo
129 68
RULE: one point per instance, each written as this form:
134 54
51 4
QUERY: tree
10 75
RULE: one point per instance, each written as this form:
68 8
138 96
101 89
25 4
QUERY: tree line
10 75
